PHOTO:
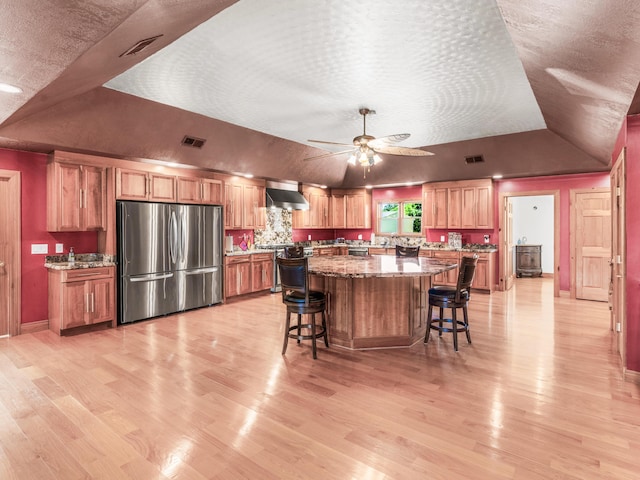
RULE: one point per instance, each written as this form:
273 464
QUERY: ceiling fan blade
331 143
388 140
406 151
328 154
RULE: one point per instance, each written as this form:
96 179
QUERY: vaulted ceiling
536 87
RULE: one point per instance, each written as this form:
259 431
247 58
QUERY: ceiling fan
367 147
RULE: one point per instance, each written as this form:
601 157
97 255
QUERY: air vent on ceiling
141 45
474 159
193 141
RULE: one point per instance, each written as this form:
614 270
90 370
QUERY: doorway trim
502 198
13 264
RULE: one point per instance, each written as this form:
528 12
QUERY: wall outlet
309 237
442 238
39 248
59 248
359 236
486 239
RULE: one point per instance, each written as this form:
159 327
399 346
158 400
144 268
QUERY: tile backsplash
278 228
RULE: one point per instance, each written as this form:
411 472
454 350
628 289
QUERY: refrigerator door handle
183 234
173 237
198 271
151 278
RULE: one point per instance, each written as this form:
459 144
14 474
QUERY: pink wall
632 200
563 183
33 194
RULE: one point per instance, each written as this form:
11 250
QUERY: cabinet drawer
261 257
235 259
81 274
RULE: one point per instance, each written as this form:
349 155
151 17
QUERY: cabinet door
481 277
440 201
468 208
250 206
162 187
355 211
484 206
230 280
244 278
454 210
94 193
131 184
338 218
428 209
189 190
319 206
69 189
101 306
211 191
75 304
233 206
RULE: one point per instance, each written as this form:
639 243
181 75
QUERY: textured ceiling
441 70
537 87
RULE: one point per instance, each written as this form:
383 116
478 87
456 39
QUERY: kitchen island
375 301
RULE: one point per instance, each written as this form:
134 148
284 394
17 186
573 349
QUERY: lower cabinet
261 271
81 297
450 277
248 273
484 277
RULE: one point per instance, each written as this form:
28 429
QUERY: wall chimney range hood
286 199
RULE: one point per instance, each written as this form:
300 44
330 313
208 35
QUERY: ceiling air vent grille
474 159
193 141
141 45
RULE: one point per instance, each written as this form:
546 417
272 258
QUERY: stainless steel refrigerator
169 258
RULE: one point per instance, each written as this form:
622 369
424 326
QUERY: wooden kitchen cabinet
357 207
465 204
434 207
245 203
317 216
205 191
142 185
261 271
81 297
76 197
338 215
450 277
237 275
483 279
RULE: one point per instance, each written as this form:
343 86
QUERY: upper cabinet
338 216
206 191
244 203
466 204
142 185
357 205
76 197
434 206
318 214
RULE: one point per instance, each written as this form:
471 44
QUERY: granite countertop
249 252
350 266
83 260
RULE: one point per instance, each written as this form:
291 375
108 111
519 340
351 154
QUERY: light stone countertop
351 266
83 260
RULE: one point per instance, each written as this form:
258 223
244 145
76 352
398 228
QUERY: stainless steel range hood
286 199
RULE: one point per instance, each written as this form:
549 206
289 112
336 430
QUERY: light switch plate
59 248
39 248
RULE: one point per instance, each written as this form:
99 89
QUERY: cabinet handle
93 302
80 199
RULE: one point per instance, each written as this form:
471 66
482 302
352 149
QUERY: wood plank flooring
207 395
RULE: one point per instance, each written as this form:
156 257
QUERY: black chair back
294 277
465 276
402 251
293 252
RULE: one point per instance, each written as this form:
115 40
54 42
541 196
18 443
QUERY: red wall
632 200
33 281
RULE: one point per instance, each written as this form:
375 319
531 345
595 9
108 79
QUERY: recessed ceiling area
534 88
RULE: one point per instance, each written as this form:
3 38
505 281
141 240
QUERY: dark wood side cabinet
528 260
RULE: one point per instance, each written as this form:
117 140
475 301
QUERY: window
399 217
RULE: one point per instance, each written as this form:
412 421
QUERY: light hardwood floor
207 395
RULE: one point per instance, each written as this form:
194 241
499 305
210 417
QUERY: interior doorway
618 286
10 264
507 242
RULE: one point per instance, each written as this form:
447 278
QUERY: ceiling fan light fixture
352 159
